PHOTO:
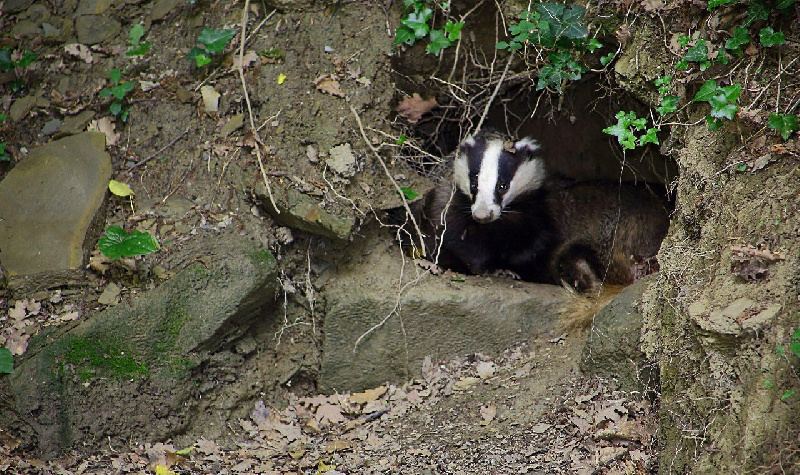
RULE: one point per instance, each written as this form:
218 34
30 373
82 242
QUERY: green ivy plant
416 24
118 90
212 42
558 30
627 127
116 243
722 101
784 124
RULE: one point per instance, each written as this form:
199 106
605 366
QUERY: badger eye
502 186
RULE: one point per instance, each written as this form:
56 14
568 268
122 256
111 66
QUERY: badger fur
502 213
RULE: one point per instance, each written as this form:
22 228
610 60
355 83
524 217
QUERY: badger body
501 213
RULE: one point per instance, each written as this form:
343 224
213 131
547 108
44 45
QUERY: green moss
261 258
92 357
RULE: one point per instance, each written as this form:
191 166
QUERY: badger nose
483 216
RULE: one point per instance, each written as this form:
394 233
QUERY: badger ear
526 146
467 144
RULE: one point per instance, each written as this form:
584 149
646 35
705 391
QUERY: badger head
494 173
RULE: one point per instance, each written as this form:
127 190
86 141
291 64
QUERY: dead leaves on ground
751 263
26 317
414 107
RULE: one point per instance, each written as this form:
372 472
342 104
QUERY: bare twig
259 143
391 178
159 152
494 95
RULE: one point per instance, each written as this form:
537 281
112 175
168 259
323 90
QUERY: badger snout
484 214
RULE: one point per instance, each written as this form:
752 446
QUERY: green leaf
796 334
713 123
785 124
202 59
453 29
115 75
121 90
780 350
215 40
740 37
770 37
668 105
502 45
604 60
409 193
650 136
756 11
401 140
117 243
27 59
115 107
135 35
715 3
684 40
404 34
786 395
707 90
438 42
138 50
119 188
768 384
417 21
593 44
794 347
698 52
6 361
783 4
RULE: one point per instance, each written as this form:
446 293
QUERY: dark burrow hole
568 126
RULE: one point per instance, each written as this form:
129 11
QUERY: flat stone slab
436 317
48 203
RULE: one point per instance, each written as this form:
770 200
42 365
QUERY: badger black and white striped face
494 175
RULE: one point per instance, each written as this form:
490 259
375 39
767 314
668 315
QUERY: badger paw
508 274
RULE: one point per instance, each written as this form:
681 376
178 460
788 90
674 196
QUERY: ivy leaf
706 92
604 60
438 42
698 52
668 105
650 136
453 30
715 3
6 361
417 21
215 40
121 90
714 123
756 11
785 124
502 45
740 37
115 108
119 188
593 44
117 243
770 37
26 59
138 50
404 34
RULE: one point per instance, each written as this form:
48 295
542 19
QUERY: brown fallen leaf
414 107
328 84
368 396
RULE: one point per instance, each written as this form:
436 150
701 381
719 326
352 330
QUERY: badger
503 214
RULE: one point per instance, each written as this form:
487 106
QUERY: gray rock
612 349
51 126
300 211
137 371
93 29
342 161
48 204
438 317
25 28
20 108
161 9
13 6
76 123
